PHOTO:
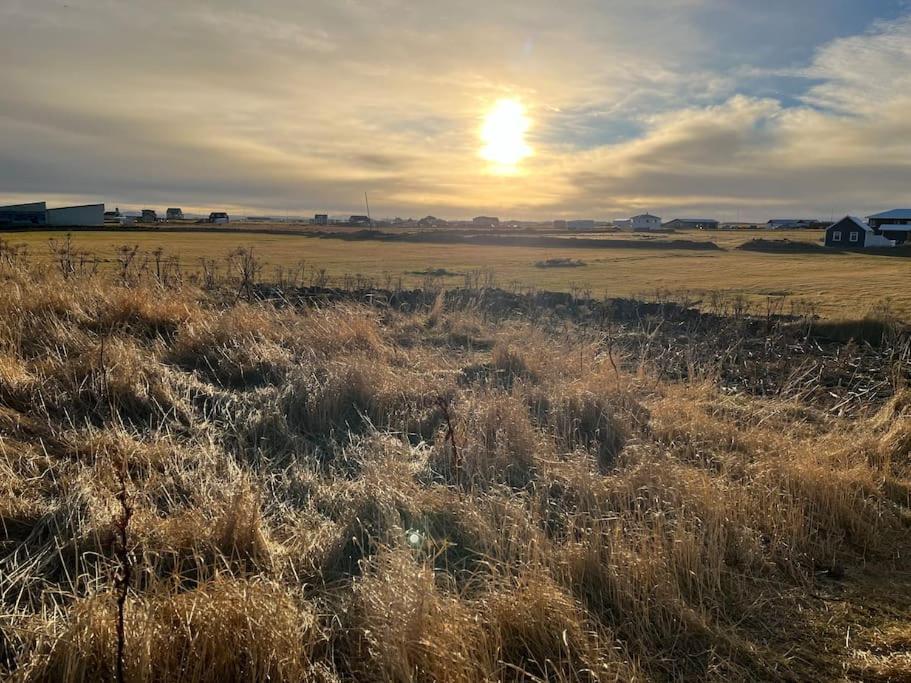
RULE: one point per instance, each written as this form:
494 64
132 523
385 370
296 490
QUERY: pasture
832 284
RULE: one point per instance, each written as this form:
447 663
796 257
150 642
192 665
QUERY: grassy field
206 489
837 284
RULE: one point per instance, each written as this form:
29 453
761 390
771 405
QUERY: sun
503 134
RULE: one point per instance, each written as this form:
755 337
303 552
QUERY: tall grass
353 493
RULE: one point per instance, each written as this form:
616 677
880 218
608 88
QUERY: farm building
894 225
645 221
321 219
485 222
853 233
86 215
790 223
174 214
692 224
24 214
219 217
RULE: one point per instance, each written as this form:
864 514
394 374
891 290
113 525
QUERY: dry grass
353 493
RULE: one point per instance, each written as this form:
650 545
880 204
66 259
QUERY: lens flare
503 134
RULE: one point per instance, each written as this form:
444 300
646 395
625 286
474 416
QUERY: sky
732 109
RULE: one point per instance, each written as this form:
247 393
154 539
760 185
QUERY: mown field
230 482
834 284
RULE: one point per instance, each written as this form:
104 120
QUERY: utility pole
367 202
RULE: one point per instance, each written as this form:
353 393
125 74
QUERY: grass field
210 489
838 284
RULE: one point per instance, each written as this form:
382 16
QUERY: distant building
321 219
359 220
34 213
149 216
645 221
430 222
77 216
559 225
219 217
894 225
583 225
853 233
485 222
790 223
691 224
174 214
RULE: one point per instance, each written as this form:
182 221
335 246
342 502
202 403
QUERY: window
853 237
836 237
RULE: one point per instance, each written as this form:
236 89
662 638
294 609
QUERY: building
174 214
485 222
359 220
581 225
645 221
219 217
24 214
853 233
149 216
321 219
77 216
691 224
894 225
790 223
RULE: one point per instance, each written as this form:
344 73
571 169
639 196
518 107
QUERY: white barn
645 221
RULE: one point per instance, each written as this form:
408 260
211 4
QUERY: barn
24 214
85 215
853 233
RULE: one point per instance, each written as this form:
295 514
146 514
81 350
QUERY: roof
693 220
896 214
891 227
34 206
854 219
645 215
81 206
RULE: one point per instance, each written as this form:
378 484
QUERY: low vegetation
216 480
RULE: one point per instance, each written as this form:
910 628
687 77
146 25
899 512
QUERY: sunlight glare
503 134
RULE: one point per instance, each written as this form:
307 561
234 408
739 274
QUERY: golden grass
353 493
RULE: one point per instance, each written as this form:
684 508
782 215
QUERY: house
359 220
34 213
485 222
691 224
321 219
149 216
790 223
645 221
174 214
853 233
86 215
218 217
583 225
894 225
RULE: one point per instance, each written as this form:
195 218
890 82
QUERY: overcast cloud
720 107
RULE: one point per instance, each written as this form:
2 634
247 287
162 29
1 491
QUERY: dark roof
81 206
33 206
895 214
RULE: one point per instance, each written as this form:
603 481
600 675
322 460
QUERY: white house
645 221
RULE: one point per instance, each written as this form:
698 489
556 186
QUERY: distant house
219 217
790 223
359 220
691 224
174 214
24 214
431 222
894 225
485 222
853 233
645 221
149 216
583 225
321 219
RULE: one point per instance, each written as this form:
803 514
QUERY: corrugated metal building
86 215
24 214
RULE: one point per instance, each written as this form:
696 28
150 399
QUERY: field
228 480
834 284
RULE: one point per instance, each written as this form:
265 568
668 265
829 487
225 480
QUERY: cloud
301 106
